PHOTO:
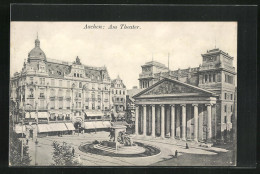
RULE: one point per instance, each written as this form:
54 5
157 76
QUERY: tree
15 147
62 155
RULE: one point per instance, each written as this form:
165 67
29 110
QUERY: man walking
73 151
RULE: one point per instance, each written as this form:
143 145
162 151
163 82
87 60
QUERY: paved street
165 158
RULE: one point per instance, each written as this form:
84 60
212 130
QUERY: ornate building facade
118 95
195 103
60 91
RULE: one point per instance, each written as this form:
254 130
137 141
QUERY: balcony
52 97
30 96
42 97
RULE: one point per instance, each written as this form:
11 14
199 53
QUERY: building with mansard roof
194 103
118 94
60 95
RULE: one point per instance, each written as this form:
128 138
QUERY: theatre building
190 104
59 96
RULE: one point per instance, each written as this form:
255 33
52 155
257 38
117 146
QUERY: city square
167 147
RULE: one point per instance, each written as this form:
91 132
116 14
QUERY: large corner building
53 91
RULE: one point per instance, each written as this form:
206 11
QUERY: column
183 108
144 121
209 129
178 121
136 119
195 107
162 121
153 120
173 121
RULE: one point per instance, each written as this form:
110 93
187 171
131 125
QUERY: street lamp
36 141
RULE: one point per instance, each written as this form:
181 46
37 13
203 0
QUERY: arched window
31 92
80 84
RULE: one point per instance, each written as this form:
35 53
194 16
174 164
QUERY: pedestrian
27 141
73 151
176 154
79 159
187 147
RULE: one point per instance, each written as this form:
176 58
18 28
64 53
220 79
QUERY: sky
123 51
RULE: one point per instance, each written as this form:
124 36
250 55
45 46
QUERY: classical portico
176 110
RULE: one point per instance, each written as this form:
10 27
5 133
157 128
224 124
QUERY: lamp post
22 132
36 141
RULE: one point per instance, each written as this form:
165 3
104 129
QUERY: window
60 104
79 104
231 108
93 96
41 104
80 75
52 93
112 91
74 74
214 77
225 119
93 106
42 81
86 107
80 85
210 78
60 93
225 96
41 93
52 82
31 80
52 104
206 78
31 93
60 83
123 92
77 74
225 108
121 99
116 91
79 95
231 96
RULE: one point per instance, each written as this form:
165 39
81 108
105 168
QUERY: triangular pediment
170 87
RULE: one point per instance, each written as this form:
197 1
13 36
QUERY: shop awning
99 124
70 126
44 128
94 114
43 114
58 127
89 125
107 124
30 115
33 126
19 128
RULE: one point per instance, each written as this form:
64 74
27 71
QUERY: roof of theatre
177 82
